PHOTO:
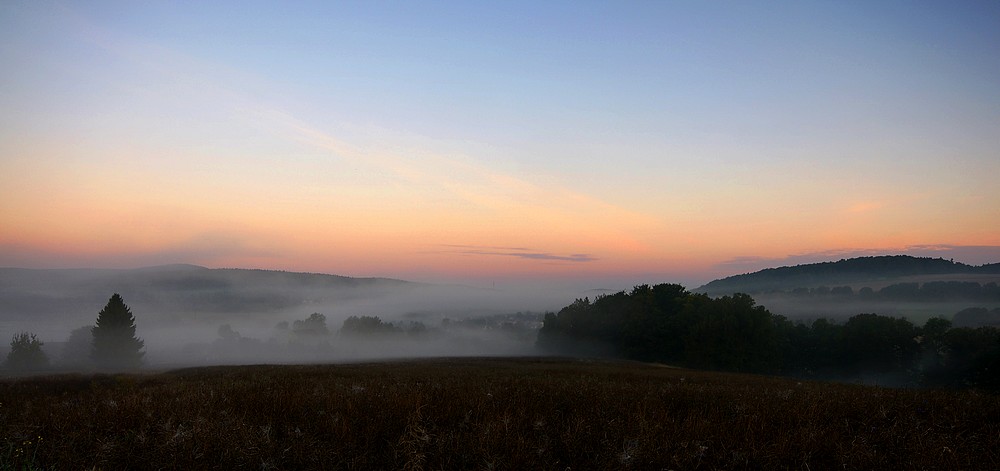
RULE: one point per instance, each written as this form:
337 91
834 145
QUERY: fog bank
191 315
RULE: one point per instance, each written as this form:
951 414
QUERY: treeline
302 339
314 327
977 317
668 324
931 291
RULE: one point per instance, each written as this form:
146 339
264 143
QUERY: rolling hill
854 271
184 288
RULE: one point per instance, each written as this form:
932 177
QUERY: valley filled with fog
190 315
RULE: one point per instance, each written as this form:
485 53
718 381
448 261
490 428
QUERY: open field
486 414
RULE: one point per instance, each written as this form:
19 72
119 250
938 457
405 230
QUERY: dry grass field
486 414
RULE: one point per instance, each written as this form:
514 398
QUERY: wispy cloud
518 252
480 247
456 184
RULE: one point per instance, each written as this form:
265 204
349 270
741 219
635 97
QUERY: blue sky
618 139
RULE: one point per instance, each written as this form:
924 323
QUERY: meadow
486 413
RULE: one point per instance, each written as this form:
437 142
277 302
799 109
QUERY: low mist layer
193 315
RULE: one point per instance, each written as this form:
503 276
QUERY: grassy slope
486 414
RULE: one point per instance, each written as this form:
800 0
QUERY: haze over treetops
472 142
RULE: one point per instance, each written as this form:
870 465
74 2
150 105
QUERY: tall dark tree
115 343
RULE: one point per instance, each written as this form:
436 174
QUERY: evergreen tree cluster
666 323
111 343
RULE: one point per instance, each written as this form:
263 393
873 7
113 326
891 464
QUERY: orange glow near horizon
122 147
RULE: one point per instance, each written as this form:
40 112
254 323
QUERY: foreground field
486 414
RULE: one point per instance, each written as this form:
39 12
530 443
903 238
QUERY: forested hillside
843 272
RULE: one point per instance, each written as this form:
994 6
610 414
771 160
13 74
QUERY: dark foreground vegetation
666 323
486 414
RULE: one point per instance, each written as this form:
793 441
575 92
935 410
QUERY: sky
487 142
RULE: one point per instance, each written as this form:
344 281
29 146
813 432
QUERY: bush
26 353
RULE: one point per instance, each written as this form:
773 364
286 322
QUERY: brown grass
486 414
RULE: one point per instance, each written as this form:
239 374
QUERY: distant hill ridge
843 271
172 289
194 273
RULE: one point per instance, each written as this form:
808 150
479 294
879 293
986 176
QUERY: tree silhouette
314 325
78 347
26 353
115 343
367 325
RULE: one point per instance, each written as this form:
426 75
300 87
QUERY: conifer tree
115 344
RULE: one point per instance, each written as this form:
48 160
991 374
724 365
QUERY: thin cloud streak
480 247
473 183
519 252
462 177
222 161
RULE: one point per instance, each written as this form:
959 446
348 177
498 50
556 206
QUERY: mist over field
193 315
628 212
